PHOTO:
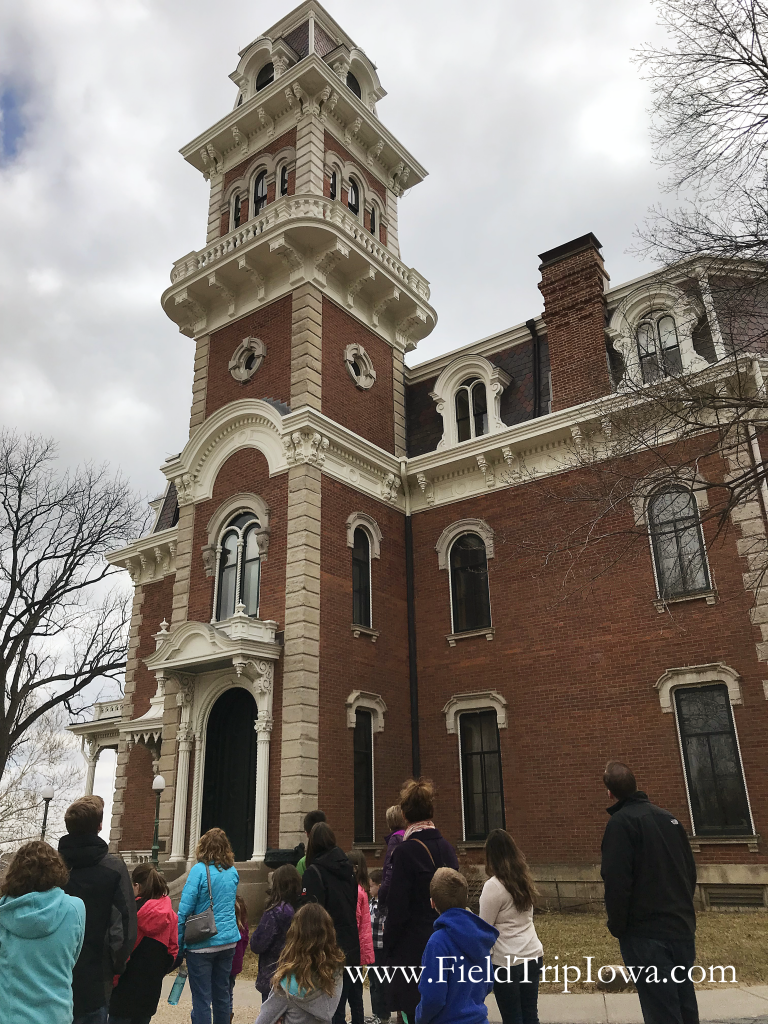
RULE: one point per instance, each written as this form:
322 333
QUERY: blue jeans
668 1000
518 999
93 1017
209 985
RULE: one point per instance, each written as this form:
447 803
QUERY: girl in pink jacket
367 955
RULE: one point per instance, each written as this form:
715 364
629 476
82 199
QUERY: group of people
82 943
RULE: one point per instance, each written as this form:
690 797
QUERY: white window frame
447 384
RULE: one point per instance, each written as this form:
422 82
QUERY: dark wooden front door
229 787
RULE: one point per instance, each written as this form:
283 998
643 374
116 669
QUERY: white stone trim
356 353
469 365
372 702
248 347
371 527
244 502
479 700
697 675
150 558
461 526
684 477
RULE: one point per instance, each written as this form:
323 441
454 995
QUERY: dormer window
236 212
333 189
260 193
354 85
265 77
353 197
373 220
471 409
284 180
658 348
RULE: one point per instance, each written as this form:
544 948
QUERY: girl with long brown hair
306 987
269 938
507 903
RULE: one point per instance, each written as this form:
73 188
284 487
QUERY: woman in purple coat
409 911
269 938
396 826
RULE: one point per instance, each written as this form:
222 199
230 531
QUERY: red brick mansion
336 591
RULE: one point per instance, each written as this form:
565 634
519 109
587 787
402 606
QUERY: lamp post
158 785
47 794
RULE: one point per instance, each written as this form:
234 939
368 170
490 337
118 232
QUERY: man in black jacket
102 882
650 880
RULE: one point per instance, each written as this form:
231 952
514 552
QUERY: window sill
710 596
487 633
749 841
471 844
365 631
374 849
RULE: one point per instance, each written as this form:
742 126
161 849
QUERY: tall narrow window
363 776
284 180
236 212
712 764
481 774
470 597
658 348
361 579
678 544
238 567
354 85
265 77
333 186
260 193
471 409
353 197
373 220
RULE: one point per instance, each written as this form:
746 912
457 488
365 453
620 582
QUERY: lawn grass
722 939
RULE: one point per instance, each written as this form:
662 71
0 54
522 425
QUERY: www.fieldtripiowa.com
565 974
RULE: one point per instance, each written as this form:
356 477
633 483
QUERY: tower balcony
300 238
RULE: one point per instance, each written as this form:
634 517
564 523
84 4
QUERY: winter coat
41 935
649 872
268 941
446 996
330 881
240 948
195 899
101 881
364 930
137 991
393 840
294 1007
410 916
517 935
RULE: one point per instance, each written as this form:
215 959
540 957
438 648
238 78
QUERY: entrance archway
229 785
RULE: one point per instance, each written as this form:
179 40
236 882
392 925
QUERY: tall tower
269 647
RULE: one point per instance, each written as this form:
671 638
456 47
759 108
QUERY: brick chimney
572 282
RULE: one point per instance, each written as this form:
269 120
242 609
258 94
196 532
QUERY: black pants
672 998
379 993
351 992
518 999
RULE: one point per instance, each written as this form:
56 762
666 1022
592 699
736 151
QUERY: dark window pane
236 213
669 346
361 579
227 577
284 181
463 426
265 77
469 584
715 779
354 85
251 571
363 771
260 193
353 198
646 350
678 544
479 408
333 185
481 774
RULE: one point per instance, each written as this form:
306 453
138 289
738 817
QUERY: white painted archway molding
446 385
248 423
697 675
461 526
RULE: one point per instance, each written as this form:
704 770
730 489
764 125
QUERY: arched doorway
229 786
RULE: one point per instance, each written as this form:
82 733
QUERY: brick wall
138 820
332 145
272 324
355 663
243 168
158 604
369 413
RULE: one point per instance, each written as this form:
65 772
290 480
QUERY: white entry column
263 727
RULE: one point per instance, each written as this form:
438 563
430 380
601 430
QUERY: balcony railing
294 208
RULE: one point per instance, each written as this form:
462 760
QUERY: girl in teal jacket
41 933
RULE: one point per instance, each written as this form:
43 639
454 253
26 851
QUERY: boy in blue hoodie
457 974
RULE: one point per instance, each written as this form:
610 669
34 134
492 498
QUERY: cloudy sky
530 118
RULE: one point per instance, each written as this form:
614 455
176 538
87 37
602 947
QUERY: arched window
265 77
284 180
363 776
260 193
354 85
470 597
239 567
678 544
658 348
236 211
373 220
353 196
481 774
471 409
361 579
333 188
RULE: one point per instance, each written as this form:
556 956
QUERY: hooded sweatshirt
330 881
102 882
294 1006
41 935
137 990
448 994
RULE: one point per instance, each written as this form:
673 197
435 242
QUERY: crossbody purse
201 926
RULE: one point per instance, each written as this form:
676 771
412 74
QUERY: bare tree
63 627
